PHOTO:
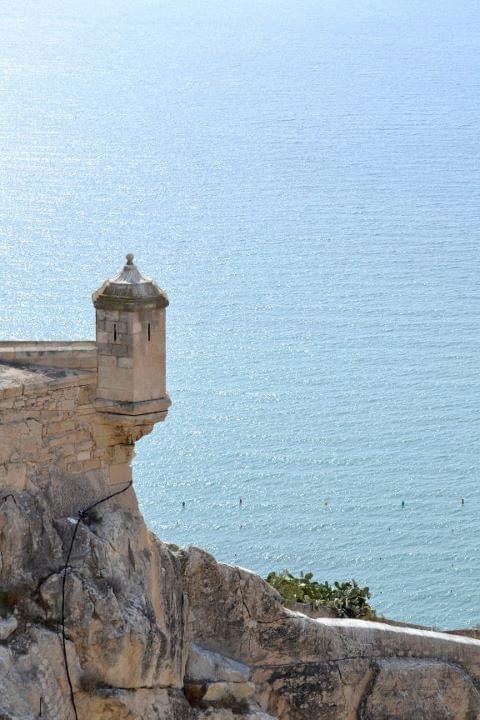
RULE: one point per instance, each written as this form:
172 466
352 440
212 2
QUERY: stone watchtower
130 322
72 411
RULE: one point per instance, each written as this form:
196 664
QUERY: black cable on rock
82 516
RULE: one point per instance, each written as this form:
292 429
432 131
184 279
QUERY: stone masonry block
105 361
117 349
110 393
111 314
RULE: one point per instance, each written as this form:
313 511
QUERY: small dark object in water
183 504
403 503
463 501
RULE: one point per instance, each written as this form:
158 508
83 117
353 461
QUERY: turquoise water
303 178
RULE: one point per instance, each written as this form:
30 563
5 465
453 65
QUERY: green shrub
347 599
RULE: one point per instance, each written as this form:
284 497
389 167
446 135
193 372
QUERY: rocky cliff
155 632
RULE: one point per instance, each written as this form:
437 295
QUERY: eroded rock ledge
158 632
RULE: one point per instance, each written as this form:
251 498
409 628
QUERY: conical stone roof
129 290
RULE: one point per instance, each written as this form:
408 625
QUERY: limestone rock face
427 689
143 703
126 633
155 632
32 682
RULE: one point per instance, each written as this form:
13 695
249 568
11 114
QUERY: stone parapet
75 354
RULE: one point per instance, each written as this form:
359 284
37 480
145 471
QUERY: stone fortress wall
153 631
51 429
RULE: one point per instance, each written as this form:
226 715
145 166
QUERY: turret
130 314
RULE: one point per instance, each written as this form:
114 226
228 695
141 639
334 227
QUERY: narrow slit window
114 332
148 332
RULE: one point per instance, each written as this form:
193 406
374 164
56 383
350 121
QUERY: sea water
302 177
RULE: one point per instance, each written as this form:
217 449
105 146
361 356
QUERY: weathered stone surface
127 632
421 689
230 608
32 677
228 693
142 704
328 690
206 665
8 626
219 681
225 714
29 546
